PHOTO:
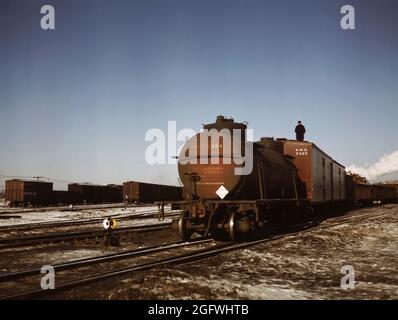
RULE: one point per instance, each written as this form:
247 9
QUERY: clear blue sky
76 102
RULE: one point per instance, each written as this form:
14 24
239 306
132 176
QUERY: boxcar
113 193
89 193
65 198
363 193
141 192
92 193
392 185
324 178
383 193
373 193
394 189
28 192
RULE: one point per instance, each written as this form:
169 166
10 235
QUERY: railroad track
162 248
104 258
81 207
75 236
195 256
61 224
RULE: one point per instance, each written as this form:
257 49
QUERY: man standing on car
300 131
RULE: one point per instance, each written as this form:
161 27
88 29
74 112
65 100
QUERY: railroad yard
191 157
297 225
302 261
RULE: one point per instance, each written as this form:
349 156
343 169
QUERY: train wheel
239 225
232 230
183 226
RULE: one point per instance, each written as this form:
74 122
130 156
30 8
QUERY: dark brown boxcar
363 193
28 192
89 193
65 197
383 193
141 192
393 185
113 193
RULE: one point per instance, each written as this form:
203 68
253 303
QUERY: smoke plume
385 165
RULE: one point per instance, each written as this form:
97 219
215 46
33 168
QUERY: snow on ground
231 290
62 216
51 257
307 266
3 203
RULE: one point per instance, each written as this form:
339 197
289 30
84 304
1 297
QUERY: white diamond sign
222 192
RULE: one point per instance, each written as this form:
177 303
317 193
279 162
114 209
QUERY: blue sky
76 102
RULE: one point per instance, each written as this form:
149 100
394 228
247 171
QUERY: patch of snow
63 216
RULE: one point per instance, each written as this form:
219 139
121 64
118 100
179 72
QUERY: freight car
288 179
93 194
363 193
114 193
366 194
89 193
65 198
140 192
392 185
28 192
323 177
40 193
381 193
373 193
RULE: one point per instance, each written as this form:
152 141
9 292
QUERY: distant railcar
373 193
140 192
392 185
113 193
92 193
363 193
65 198
28 192
89 193
383 193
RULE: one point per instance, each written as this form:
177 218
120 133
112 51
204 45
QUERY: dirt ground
295 267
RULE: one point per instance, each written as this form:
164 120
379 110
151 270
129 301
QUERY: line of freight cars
21 193
370 193
288 179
